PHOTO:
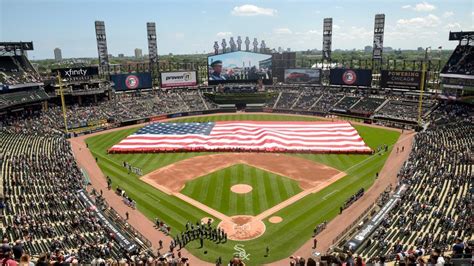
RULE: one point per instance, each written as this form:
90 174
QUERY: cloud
421 7
419 22
452 26
282 31
448 14
424 7
224 34
251 10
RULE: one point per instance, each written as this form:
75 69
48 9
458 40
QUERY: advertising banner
76 73
302 76
400 79
123 241
178 79
131 81
374 222
350 77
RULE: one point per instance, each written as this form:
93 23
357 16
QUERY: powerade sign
131 81
178 79
375 221
350 77
400 79
76 73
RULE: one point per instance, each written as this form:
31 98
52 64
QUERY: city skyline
409 24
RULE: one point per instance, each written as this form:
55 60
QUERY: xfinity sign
75 73
178 79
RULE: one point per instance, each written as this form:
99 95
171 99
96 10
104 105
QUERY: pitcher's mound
275 219
242 227
241 188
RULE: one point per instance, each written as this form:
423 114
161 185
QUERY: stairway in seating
278 99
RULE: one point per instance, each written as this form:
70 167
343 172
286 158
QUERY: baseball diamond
183 187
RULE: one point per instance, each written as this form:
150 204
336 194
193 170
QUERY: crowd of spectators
345 103
431 222
307 98
367 105
461 61
402 109
138 105
17 70
42 212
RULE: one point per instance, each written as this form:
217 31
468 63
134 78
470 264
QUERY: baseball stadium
241 155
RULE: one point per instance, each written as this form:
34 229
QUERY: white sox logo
349 77
132 82
240 252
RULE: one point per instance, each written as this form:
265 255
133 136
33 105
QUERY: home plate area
243 189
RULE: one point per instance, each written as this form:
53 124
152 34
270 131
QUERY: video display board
302 76
400 79
178 79
131 81
239 67
350 77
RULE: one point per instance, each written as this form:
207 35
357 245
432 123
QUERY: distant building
58 54
138 53
368 49
280 50
110 56
420 49
121 56
288 49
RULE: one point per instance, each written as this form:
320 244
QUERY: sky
192 26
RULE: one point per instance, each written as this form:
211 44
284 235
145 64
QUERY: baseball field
274 189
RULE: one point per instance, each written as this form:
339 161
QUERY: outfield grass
269 189
299 219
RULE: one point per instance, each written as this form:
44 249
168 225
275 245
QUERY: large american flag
316 137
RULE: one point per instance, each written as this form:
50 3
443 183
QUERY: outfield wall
114 124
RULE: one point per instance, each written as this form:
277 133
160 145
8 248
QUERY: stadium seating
307 98
41 206
461 61
345 103
367 105
435 209
17 70
404 109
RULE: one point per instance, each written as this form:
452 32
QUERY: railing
360 217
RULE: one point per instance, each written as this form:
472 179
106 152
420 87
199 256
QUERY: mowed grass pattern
214 190
299 219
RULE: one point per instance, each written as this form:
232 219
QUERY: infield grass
214 190
299 219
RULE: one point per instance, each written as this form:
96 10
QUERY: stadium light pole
63 103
